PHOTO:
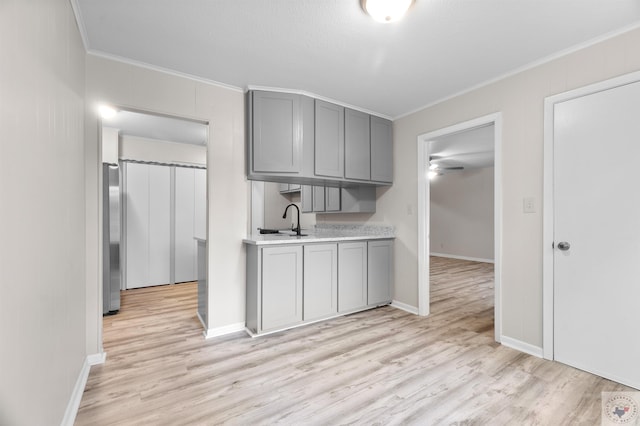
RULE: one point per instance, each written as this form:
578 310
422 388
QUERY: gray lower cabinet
320 298
379 271
203 302
293 284
352 276
281 287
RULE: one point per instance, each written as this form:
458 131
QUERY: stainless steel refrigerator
111 239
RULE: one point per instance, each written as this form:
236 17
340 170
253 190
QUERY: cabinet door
380 272
281 286
381 150
318 199
329 139
352 276
159 225
332 199
275 133
306 198
283 187
184 227
320 281
357 145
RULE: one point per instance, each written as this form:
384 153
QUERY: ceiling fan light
386 10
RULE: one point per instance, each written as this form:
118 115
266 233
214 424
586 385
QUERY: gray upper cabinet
318 199
329 139
296 139
357 145
380 272
306 198
275 128
288 188
332 199
381 150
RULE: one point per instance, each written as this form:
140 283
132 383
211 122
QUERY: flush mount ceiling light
386 10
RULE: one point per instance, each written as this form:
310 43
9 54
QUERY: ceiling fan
437 170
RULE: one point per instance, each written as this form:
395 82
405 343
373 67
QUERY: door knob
564 246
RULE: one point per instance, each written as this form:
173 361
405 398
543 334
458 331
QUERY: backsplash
361 230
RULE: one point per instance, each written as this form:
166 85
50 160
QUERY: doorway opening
154 209
459 202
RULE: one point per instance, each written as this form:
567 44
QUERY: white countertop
324 233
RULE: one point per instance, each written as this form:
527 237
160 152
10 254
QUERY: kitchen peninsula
332 271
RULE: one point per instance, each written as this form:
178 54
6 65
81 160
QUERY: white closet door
159 225
137 225
200 203
185 245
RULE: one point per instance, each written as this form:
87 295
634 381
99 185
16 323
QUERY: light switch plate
529 205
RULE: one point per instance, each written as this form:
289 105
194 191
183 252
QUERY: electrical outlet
529 205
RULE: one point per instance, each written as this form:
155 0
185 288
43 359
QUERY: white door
597 213
148 225
136 191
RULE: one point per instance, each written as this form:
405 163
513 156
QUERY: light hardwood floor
382 366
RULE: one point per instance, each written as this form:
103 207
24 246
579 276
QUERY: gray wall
461 220
42 275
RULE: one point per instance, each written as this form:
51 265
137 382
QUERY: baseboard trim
221 331
521 346
76 395
455 256
201 320
404 307
96 359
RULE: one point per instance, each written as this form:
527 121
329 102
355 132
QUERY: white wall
461 221
42 276
520 98
274 205
144 149
138 88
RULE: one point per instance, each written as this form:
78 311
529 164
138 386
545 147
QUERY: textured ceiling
332 49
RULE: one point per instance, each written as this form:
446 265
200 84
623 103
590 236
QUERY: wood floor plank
383 366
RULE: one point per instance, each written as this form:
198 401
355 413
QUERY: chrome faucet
297 228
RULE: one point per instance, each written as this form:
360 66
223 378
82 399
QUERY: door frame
424 212
548 201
